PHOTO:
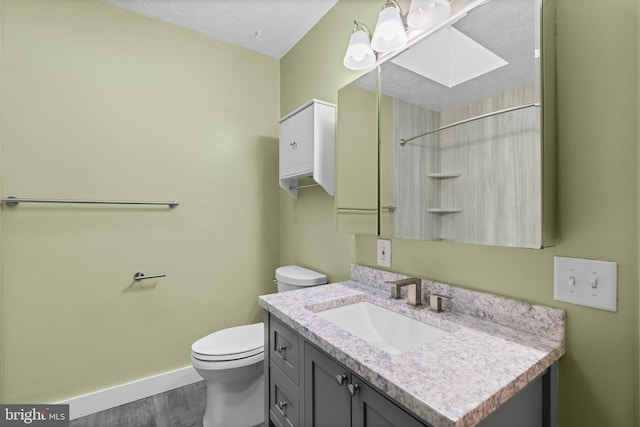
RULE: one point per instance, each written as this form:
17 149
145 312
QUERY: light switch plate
586 282
384 253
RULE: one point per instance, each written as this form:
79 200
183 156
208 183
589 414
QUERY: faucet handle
435 302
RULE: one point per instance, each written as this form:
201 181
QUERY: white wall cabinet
307 146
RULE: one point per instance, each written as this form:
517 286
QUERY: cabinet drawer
284 350
284 404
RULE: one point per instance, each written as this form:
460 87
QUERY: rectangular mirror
467 131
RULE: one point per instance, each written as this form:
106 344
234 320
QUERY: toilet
231 361
292 277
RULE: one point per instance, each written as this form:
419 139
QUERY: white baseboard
107 398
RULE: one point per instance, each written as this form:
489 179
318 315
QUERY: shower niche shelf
443 211
444 175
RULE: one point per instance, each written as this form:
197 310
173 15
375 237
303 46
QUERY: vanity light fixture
360 55
390 33
425 14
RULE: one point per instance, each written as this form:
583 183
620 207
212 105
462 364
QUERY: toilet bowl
231 361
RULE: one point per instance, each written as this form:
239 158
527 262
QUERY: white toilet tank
291 277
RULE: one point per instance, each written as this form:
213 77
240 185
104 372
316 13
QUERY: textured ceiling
509 28
271 27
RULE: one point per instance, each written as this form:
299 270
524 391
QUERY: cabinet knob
341 378
281 405
281 349
353 389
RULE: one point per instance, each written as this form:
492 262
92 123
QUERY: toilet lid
300 276
231 343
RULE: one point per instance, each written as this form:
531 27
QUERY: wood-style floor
182 407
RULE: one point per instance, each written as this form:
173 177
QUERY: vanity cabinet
307 146
334 396
306 387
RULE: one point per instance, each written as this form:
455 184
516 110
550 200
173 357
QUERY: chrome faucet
414 289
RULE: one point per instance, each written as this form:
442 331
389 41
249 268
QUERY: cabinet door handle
341 378
281 349
281 405
353 389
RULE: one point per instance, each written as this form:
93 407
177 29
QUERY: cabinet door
357 159
371 409
327 403
287 147
284 404
304 140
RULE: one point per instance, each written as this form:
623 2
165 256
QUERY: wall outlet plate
586 282
384 253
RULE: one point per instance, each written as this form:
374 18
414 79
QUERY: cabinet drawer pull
282 405
281 349
341 378
353 389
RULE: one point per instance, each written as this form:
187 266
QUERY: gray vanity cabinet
305 387
308 388
335 397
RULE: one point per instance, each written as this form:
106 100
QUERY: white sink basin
385 329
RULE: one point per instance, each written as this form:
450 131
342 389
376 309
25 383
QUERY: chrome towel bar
357 210
298 187
140 276
13 201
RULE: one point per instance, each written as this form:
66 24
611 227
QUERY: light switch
384 253
586 282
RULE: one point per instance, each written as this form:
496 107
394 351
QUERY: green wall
597 190
100 103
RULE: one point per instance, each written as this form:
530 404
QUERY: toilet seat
236 343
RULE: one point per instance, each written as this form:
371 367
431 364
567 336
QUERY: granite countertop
495 346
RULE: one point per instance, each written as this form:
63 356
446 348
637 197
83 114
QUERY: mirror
357 157
461 132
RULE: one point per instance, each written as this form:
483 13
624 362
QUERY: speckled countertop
494 348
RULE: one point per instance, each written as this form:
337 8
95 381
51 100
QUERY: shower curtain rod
472 119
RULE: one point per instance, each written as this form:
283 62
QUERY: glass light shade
425 14
389 33
359 54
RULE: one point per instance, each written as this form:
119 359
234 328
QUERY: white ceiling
270 27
